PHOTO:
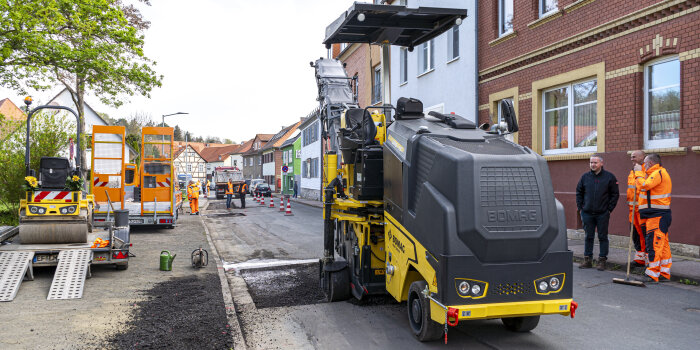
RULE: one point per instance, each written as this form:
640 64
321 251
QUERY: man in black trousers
596 196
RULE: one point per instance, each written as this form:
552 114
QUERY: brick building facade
624 75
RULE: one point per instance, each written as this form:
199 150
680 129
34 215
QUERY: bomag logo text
512 215
398 244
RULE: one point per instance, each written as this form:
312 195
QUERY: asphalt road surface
280 306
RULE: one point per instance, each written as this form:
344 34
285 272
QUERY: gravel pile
182 313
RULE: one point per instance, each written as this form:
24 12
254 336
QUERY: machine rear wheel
521 324
339 288
423 327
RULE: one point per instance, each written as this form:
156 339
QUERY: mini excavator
454 219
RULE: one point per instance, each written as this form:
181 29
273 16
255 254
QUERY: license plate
135 221
45 258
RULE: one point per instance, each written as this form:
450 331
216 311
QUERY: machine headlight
554 283
33 209
549 284
64 210
71 209
476 289
464 288
469 288
42 210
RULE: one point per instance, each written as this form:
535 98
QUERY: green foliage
688 282
49 135
75 183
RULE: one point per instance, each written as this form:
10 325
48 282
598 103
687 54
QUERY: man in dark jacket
596 196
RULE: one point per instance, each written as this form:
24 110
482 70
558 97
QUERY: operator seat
53 172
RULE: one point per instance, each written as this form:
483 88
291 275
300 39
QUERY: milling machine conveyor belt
13 267
69 279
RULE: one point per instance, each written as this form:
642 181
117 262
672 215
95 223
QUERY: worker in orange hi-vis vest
193 196
640 257
655 211
229 194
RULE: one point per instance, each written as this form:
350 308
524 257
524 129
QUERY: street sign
285 169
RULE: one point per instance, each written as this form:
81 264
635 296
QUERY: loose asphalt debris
284 286
182 313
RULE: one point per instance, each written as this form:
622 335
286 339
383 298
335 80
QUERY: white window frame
189 168
571 127
403 65
499 116
429 47
452 39
376 80
547 13
501 8
201 168
665 143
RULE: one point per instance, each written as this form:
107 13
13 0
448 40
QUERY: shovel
627 280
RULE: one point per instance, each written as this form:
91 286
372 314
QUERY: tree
94 45
212 139
49 135
228 141
177 133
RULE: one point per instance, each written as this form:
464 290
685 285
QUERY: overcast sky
237 67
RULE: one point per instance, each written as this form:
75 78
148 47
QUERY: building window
574 104
662 107
403 63
377 85
310 134
505 17
453 43
548 6
201 168
189 168
235 162
425 56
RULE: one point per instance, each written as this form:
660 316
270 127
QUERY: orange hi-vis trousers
640 256
658 248
194 205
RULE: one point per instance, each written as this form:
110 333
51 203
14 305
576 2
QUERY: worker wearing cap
229 194
654 185
193 196
640 257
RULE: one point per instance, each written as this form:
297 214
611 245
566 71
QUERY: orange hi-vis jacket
631 189
229 188
655 190
244 188
192 191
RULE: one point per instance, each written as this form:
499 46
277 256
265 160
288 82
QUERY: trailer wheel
339 289
521 324
423 327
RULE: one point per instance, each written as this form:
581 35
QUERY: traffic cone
289 209
256 198
263 201
281 205
272 202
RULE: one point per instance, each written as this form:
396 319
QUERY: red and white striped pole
289 208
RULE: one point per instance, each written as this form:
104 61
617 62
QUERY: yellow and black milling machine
452 218
50 213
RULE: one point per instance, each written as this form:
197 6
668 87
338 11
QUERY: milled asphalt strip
234 323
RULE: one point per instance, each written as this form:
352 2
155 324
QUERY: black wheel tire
122 267
521 324
423 327
339 289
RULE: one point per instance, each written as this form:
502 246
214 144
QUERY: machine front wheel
521 324
423 327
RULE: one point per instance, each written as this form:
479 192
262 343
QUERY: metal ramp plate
13 267
69 279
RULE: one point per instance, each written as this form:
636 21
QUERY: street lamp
167 115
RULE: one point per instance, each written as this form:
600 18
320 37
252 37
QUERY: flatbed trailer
73 261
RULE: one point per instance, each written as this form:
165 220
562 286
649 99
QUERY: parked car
253 183
263 189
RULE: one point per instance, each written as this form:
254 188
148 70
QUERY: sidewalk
683 267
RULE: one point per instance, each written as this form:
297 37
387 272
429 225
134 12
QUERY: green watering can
166 261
